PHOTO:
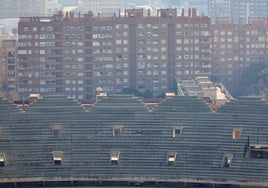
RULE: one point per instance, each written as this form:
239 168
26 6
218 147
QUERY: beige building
202 87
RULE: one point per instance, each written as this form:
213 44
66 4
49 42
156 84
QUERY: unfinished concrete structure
118 141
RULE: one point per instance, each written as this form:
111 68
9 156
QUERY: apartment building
8 66
75 55
237 9
235 46
101 6
19 8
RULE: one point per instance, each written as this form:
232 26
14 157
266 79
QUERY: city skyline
231 51
143 93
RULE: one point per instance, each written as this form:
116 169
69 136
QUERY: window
114 157
56 131
236 133
204 25
227 160
79 43
118 41
26 29
178 41
171 158
2 159
258 151
186 56
141 26
22 51
57 157
49 28
67 28
177 132
118 26
42 52
117 131
179 72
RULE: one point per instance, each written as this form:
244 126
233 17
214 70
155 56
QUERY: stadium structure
119 141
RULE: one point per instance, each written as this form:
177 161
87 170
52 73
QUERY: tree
174 87
254 78
214 78
135 92
148 94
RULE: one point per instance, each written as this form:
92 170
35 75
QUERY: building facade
8 66
101 6
75 55
9 55
236 46
20 8
52 7
238 10
200 5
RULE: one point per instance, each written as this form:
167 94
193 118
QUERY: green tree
254 78
132 91
147 94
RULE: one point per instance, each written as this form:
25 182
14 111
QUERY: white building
101 6
53 6
203 87
22 8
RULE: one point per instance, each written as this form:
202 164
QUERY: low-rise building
202 87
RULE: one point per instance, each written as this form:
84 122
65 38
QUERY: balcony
205 51
205 58
206 66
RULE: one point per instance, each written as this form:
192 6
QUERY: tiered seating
245 105
183 104
120 138
10 116
249 114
